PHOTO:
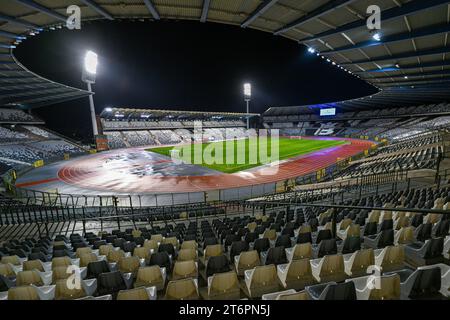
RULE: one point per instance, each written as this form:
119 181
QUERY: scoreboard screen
327 112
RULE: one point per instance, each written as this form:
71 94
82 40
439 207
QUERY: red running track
91 174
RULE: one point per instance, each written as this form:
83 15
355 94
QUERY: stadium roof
392 97
110 113
413 49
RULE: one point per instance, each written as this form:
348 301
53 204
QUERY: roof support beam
387 15
409 67
11 35
434 30
405 55
19 22
36 6
205 10
263 7
317 13
98 9
152 9
412 83
415 74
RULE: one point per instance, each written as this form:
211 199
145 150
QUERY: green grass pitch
288 148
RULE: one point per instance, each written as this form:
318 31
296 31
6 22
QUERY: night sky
181 66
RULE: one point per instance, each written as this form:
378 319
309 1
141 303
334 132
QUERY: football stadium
337 200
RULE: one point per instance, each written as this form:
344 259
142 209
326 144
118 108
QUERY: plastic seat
28 293
357 264
385 287
115 255
424 283
329 268
151 244
276 255
161 259
85 259
111 283
83 251
104 250
222 286
137 294
304 237
191 244
151 276
185 269
25 278
217 264
390 258
33 265
14 260
246 260
261 245
94 269
299 251
296 275
351 244
237 247
404 236
260 280
383 239
129 265
323 235
63 292
327 247
303 295
211 251
283 241
332 291
142 253
184 289
187 254
422 254
6 270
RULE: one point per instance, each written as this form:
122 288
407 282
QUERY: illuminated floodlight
108 109
247 90
91 62
376 36
406 77
311 50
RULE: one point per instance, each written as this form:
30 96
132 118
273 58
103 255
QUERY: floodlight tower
248 98
89 77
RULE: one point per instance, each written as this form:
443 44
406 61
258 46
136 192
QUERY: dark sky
182 66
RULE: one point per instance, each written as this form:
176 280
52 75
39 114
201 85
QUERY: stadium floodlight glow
311 50
406 77
91 62
247 90
108 109
89 76
376 36
248 97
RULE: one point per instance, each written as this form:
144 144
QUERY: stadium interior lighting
108 109
376 36
406 77
91 62
311 50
